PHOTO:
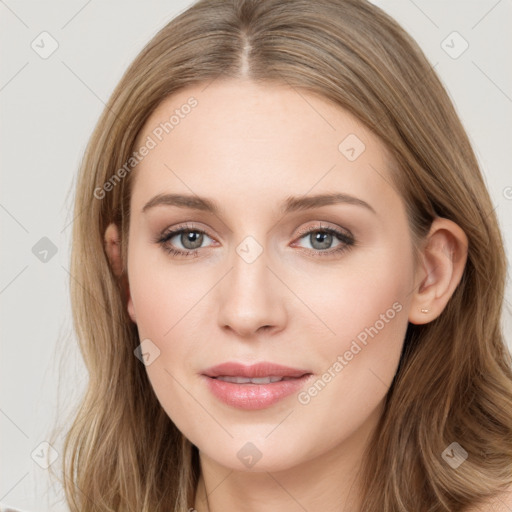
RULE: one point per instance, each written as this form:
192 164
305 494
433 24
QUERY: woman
287 279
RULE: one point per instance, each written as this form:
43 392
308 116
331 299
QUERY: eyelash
347 240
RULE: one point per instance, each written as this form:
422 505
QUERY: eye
190 238
321 240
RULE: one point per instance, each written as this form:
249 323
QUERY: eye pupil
324 238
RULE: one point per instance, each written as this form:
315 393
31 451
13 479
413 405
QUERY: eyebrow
291 204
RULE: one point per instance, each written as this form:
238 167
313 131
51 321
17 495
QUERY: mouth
257 386
263 370
255 380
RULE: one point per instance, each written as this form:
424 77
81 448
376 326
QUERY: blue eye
321 239
187 237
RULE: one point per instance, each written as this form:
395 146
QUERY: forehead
238 140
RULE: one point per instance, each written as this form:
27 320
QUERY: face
269 276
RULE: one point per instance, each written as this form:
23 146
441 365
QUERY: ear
443 260
113 250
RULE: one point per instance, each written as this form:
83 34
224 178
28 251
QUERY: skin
249 147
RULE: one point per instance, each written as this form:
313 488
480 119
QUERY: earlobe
113 250
443 260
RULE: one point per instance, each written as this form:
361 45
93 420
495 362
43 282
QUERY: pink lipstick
256 386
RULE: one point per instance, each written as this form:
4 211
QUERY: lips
255 380
256 386
264 369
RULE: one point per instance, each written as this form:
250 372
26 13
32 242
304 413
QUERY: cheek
167 301
163 294
365 297
365 306
162 318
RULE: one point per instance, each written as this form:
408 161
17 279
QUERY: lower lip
254 396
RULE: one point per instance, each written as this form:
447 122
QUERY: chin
255 453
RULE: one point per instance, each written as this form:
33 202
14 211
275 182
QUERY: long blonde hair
454 381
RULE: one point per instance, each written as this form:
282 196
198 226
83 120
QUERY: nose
251 299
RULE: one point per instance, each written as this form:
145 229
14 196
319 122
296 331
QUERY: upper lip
263 369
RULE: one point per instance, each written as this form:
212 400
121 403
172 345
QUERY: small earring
425 310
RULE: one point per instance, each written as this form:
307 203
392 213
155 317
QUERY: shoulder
7 508
501 502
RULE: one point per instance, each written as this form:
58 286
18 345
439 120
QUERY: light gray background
48 110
